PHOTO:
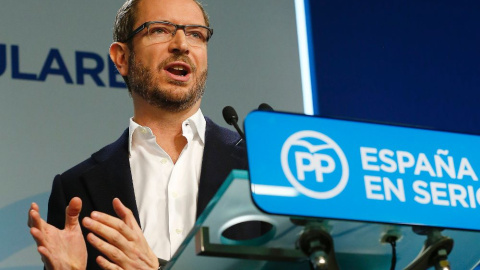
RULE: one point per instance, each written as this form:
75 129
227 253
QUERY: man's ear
119 54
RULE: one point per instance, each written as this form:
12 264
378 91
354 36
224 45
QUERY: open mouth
179 71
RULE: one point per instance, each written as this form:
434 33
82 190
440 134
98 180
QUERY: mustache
180 58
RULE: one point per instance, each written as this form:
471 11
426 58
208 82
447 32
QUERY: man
135 200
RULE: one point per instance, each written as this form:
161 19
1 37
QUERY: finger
33 207
114 223
38 236
112 252
106 264
109 232
125 214
35 220
45 254
72 212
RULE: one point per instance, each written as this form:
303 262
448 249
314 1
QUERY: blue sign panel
308 166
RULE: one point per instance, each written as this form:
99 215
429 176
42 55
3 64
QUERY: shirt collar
198 124
196 121
131 128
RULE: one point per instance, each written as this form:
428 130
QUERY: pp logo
314 164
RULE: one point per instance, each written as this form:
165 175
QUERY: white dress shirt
166 193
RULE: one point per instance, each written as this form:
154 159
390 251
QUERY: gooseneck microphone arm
231 117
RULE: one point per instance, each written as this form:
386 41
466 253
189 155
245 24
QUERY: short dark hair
127 15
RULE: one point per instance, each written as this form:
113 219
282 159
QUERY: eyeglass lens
163 32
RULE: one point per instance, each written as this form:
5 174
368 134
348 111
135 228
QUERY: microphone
231 117
265 107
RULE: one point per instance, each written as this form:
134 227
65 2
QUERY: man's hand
122 240
59 249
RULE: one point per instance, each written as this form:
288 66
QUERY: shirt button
178 231
175 195
143 130
164 161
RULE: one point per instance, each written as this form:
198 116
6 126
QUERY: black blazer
106 175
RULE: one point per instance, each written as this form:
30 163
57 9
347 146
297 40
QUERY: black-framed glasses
163 31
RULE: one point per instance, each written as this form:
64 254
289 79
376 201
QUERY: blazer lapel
224 151
112 178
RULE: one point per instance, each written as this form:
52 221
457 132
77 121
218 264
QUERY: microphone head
230 115
265 107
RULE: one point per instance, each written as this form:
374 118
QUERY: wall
54 115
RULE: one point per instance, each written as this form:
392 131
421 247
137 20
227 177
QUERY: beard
140 81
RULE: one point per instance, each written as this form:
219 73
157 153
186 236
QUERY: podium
357 245
344 195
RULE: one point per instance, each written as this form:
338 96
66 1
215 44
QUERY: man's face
168 75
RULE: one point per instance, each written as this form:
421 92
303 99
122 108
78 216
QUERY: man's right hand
60 249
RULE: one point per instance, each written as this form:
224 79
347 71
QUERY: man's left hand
122 240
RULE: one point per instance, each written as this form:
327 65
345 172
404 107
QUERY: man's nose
179 42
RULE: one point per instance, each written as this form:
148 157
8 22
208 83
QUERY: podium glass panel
356 245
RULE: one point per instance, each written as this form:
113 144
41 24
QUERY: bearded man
136 199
